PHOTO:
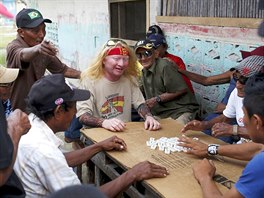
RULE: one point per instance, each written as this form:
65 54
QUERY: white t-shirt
110 99
234 108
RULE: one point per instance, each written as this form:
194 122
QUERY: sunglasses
114 42
5 84
146 54
241 79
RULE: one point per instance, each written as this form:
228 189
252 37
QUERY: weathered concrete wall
209 50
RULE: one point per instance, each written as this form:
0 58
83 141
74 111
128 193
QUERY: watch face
212 149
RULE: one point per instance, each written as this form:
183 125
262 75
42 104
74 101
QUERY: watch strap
235 132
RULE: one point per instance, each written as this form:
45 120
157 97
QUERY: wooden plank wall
212 8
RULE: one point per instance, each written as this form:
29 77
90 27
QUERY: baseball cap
146 44
157 40
259 51
154 29
8 75
30 18
250 65
51 91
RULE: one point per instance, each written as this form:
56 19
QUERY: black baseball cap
145 43
51 91
154 29
30 18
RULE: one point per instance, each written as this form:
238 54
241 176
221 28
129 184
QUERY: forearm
166 97
209 188
144 111
72 73
242 132
77 157
89 120
27 54
195 77
245 151
120 184
209 124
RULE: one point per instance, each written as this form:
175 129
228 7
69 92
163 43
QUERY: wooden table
180 182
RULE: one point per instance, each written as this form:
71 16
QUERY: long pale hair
96 69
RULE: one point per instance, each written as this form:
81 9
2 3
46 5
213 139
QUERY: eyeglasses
241 79
114 42
146 54
5 84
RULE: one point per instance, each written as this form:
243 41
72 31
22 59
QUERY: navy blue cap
157 40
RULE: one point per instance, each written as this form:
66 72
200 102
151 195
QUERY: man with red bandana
112 81
32 55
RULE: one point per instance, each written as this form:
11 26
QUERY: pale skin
141 171
114 67
18 125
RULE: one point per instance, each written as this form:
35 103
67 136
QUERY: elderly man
32 55
42 166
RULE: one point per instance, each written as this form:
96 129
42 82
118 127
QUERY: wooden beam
211 21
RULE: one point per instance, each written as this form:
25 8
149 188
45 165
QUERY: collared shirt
40 163
163 77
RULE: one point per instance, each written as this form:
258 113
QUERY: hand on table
204 169
195 147
114 124
195 125
113 143
151 124
222 129
146 170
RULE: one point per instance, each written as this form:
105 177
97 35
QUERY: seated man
41 165
251 180
166 92
11 130
220 125
161 47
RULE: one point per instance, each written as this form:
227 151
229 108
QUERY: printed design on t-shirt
113 106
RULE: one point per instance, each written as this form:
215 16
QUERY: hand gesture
195 147
193 125
18 123
113 143
47 48
222 129
147 170
204 169
114 124
151 124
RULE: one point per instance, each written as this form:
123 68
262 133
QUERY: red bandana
118 51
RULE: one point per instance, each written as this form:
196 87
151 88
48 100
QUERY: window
128 19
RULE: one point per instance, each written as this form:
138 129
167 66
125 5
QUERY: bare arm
80 156
210 80
141 171
72 73
18 125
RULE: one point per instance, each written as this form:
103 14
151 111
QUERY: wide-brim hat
8 75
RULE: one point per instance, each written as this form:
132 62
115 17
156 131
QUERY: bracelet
235 132
158 99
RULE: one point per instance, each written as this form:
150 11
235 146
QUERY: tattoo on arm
89 120
143 110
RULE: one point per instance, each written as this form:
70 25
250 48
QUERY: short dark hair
255 84
47 114
254 104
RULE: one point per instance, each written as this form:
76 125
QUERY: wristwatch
235 132
212 149
158 99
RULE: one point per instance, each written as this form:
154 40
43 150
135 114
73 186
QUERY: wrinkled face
240 83
145 57
33 36
5 91
115 66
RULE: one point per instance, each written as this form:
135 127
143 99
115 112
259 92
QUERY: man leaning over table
41 165
250 183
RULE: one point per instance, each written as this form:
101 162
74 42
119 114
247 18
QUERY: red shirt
179 62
